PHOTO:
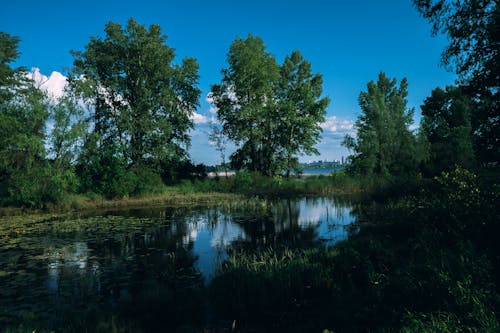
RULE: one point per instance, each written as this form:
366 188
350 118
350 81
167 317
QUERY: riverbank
234 190
170 198
425 262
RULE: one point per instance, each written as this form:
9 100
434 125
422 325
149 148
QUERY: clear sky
348 42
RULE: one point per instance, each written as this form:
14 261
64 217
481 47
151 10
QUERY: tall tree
384 144
246 104
9 77
26 177
446 125
301 110
271 112
142 101
473 29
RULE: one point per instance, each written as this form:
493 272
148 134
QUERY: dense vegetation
122 126
426 260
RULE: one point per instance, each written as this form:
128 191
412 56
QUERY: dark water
145 266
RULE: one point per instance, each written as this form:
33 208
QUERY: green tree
446 124
246 104
272 113
142 102
9 77
384 144
301 109
473 29
26 176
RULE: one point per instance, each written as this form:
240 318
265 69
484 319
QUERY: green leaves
142 102
446 125
272 113
472 28
384 144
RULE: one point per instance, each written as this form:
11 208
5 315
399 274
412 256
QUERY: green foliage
27 176
272 285
141 105
301 110
9 77
446 125
245 102
39 186
104 171
68 129
421 263
384 145
473 52
147 181
272 113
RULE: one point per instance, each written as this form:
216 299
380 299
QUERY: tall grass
427 261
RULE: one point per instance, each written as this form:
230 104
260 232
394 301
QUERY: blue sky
348 42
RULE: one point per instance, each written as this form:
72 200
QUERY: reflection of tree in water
142 271
280 227
143 265
150 275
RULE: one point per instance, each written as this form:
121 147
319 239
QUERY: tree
217 137
473 28
446 125
272 113
246 104
142 102
301 109
384 144
9 77
22 121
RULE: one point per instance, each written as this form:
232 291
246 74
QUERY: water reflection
147 265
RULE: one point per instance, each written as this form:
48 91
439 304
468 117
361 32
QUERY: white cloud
338 126
199 118
54 84
209 98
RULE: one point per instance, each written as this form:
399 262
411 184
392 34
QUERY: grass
241 190
427 262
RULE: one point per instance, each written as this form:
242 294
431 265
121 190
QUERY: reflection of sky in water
209 233
71 257
125 257
331 221
211 241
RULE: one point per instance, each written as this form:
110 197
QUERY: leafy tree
246 104
272 113
68 127
446 124
26 176
9 77
142 102
301 109
384 144
473 29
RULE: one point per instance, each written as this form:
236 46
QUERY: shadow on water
142 269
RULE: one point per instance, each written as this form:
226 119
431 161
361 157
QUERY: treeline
122 126
460 125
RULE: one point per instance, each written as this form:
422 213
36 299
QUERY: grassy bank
424 263
173 197
235 190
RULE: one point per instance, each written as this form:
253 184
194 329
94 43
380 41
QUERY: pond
149 266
